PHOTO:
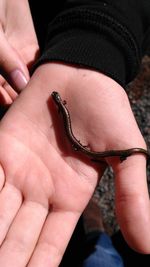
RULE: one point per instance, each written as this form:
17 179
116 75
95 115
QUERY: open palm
45 185
41 188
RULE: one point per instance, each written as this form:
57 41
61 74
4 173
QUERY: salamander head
56 97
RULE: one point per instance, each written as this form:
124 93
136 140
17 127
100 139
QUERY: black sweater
110 36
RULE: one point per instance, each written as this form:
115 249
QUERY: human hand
45 185
18 48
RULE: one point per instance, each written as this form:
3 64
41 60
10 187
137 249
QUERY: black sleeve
109 36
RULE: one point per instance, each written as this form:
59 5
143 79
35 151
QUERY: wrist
80 87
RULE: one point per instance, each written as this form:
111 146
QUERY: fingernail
18 79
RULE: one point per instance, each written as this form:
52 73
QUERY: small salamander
77 146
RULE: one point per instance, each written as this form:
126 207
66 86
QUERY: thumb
132 202
12 66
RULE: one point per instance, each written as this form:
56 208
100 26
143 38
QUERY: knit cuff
88 50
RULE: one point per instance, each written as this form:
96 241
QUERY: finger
132 202
23 235
10 202
12 66
54 239
5 98
8 88
7 93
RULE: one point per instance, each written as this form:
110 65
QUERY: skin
18 45
45 185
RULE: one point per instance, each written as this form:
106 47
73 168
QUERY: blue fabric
104 254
